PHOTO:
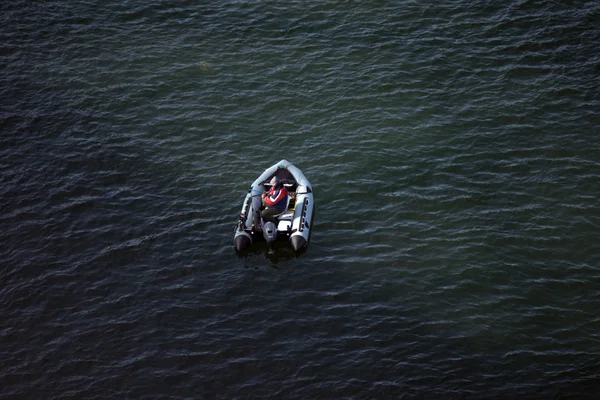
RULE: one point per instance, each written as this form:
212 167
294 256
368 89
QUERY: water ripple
452 152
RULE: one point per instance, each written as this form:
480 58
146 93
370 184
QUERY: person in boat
275 200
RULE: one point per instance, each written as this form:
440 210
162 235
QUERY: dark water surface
455 157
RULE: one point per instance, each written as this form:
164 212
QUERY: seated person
275 200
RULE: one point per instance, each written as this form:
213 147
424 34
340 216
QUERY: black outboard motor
270 232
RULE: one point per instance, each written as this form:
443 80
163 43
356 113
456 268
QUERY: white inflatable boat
295 223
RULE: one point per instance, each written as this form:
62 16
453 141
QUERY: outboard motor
270 232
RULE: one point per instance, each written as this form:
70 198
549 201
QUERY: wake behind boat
293 223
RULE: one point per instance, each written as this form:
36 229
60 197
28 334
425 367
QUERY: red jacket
277 198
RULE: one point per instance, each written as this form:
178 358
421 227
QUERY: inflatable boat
293 224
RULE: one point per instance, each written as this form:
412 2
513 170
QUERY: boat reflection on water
277 252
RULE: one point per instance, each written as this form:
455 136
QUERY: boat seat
285 221
287 215
286 218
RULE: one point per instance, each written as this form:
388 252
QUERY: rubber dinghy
294 223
